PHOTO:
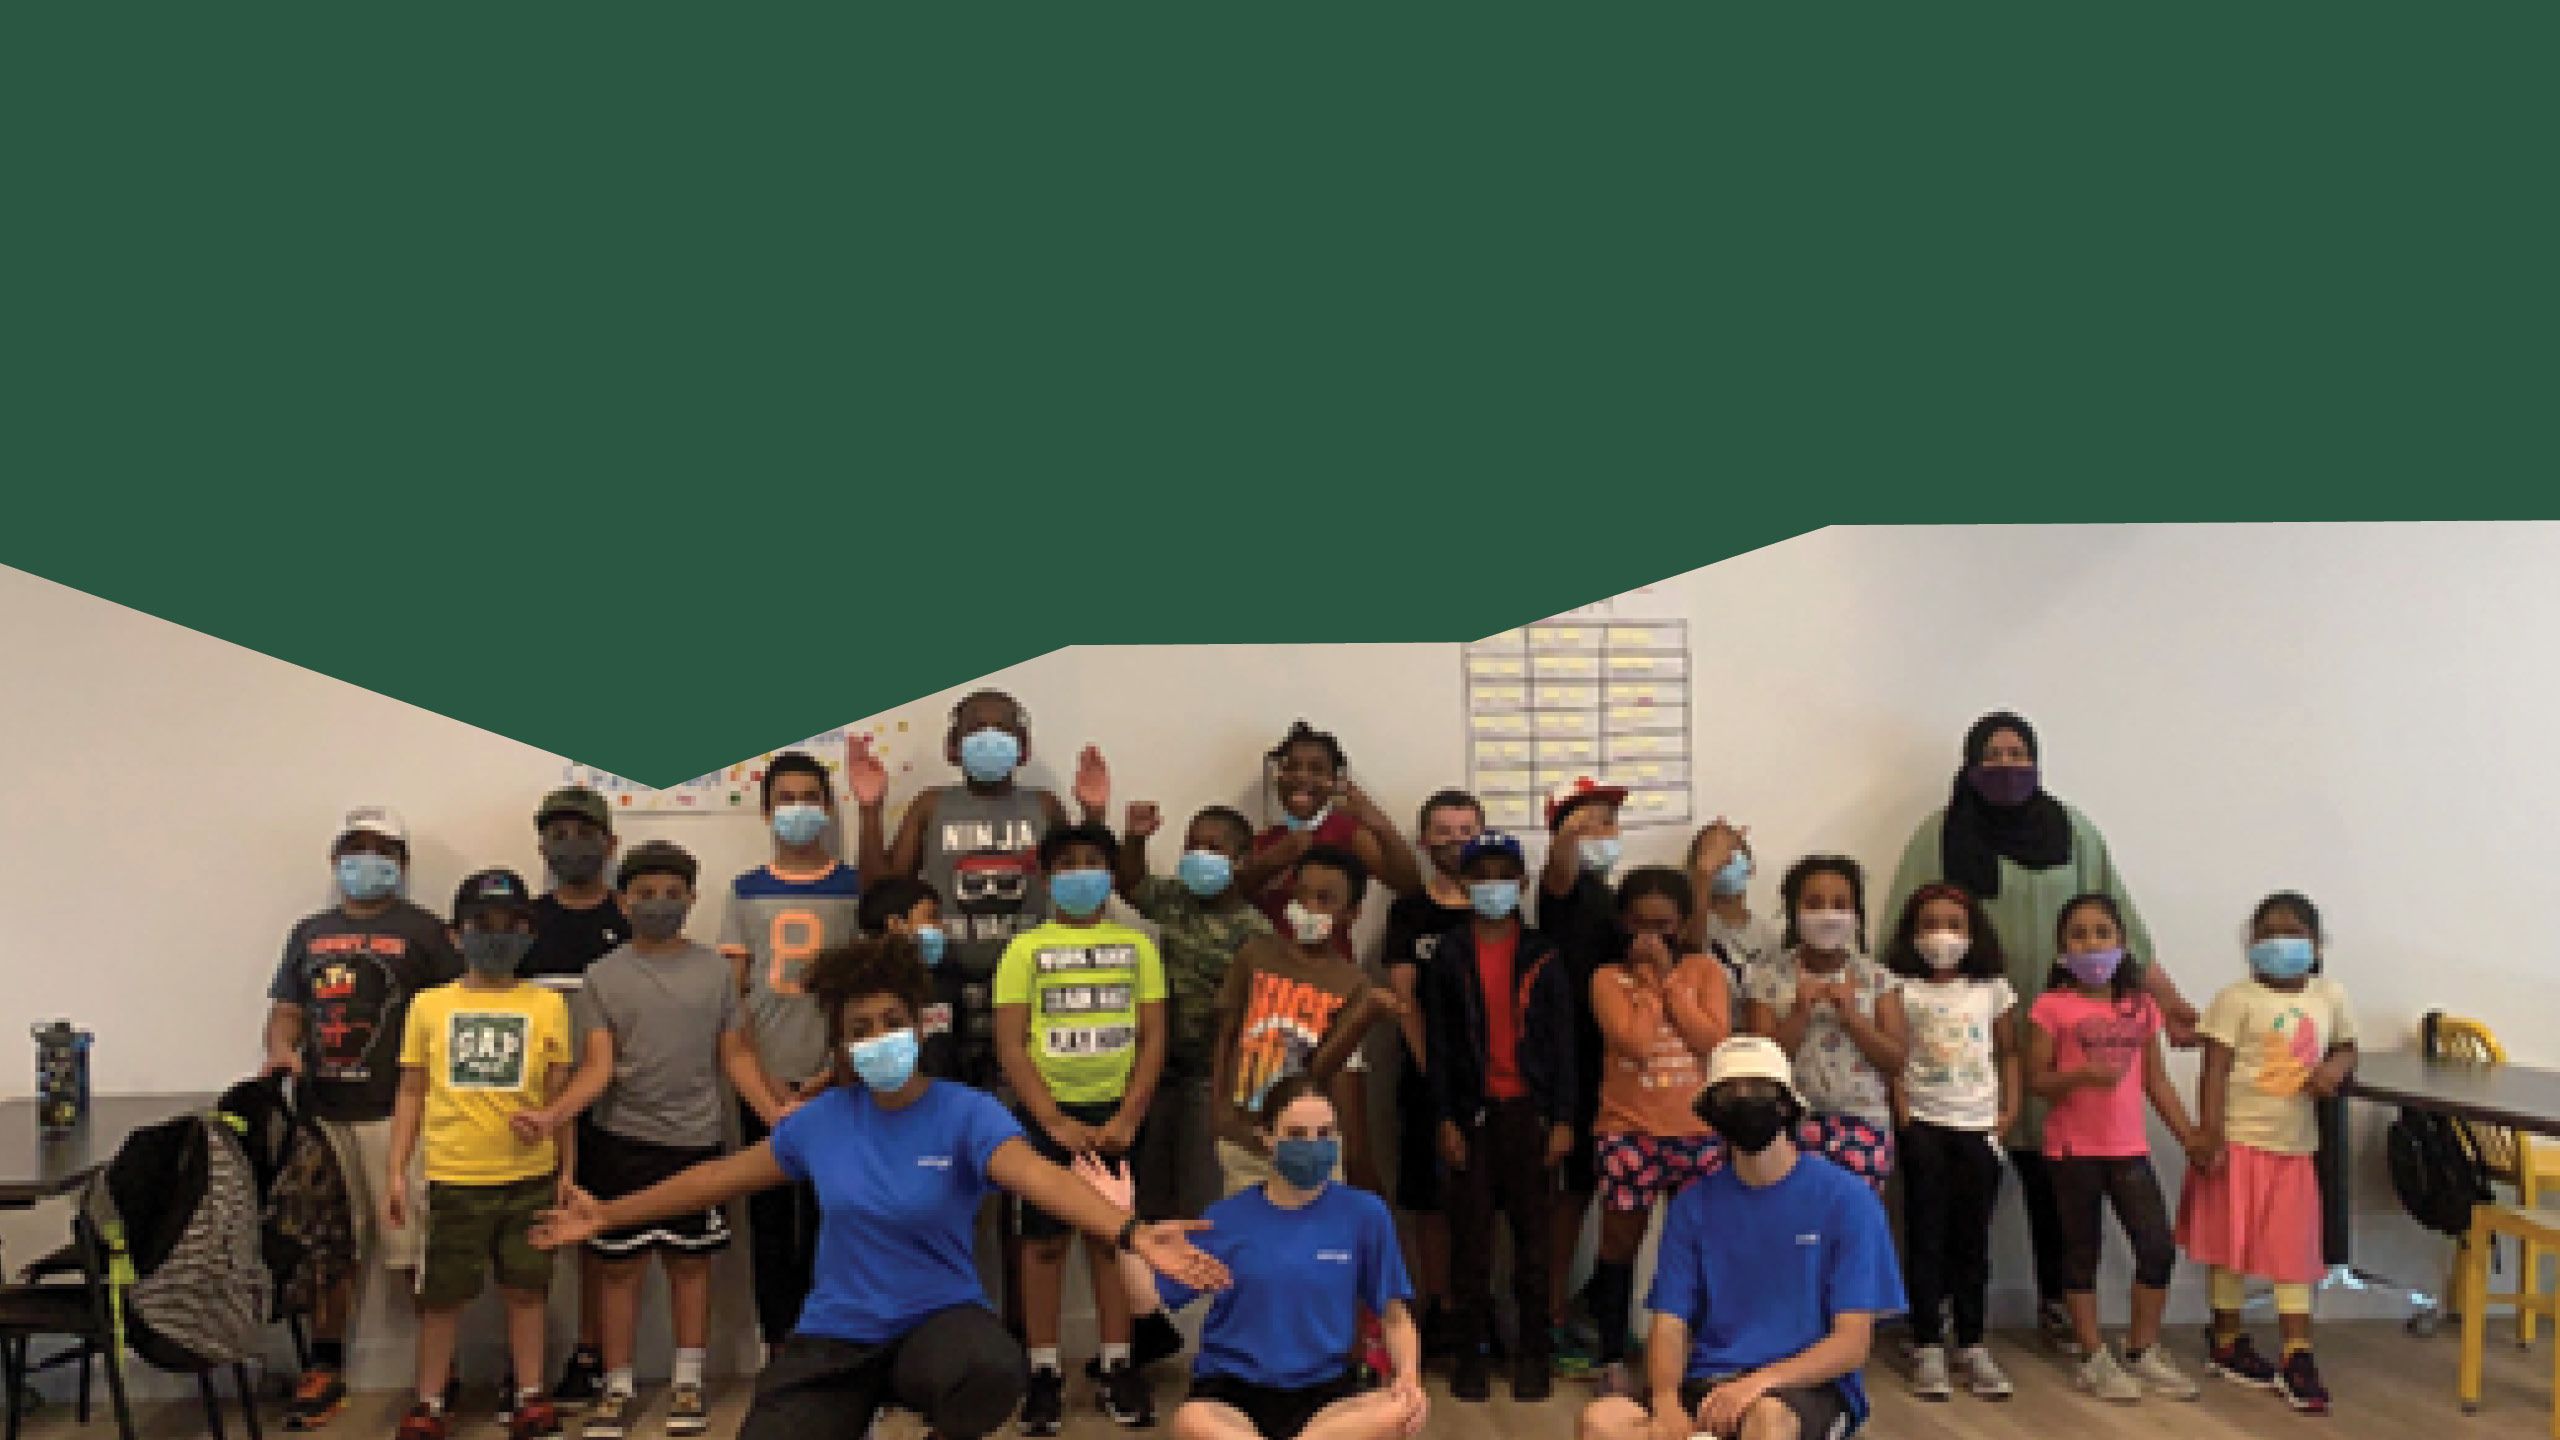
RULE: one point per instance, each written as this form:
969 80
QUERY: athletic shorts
1277 1413
363 1149
1859 1146
611 1166
1638 1169
1034 1222
472 1229
1822 1411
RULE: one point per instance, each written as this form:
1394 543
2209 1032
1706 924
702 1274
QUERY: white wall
2357 711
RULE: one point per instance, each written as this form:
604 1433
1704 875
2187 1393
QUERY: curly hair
864 967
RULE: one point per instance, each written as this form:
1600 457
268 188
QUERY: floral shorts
1636 1169
1861 1147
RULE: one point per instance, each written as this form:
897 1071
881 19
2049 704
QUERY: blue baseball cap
1491 842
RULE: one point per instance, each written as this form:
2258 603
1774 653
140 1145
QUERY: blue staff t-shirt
898 1195
1758 1275
1301 1276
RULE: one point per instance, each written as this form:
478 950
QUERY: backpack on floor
307 1232
2436 1163
177 1210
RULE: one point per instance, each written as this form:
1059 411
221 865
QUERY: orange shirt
1656 1038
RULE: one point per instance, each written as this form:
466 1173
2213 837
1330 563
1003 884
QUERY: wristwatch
1128 1232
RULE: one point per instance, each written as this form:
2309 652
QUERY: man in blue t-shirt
1770 1279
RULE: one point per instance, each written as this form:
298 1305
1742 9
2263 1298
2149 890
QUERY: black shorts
1417 1141
1822 1411
611 1166
1278 1414
1034 1222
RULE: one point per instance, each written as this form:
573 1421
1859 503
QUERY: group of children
1553 1030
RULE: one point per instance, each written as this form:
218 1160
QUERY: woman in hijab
2024 854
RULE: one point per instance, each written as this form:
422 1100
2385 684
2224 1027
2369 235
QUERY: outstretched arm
713 1182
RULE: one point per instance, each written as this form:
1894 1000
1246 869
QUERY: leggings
2044 1227
1950 1185
2082 1189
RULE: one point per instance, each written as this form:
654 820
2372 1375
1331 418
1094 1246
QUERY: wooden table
36 1167
2518 1096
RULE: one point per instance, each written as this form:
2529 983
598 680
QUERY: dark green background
481 353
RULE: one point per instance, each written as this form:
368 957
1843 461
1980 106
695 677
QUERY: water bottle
62 1076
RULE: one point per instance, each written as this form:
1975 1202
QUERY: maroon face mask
2003 784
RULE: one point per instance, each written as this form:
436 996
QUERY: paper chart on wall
1591 693
730 790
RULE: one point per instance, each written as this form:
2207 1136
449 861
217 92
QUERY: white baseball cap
376 820
1751 1057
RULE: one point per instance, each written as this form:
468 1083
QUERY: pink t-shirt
2094 1122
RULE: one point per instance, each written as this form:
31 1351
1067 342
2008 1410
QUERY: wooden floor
2387 1384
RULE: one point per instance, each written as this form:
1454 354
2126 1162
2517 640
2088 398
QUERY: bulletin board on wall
1587 694
738 789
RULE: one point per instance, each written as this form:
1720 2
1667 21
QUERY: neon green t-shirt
1084 984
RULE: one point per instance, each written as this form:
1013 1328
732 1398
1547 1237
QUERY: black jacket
1453 1003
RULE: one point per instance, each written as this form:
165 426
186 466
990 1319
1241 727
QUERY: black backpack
306 1211
2436 1163
177 1210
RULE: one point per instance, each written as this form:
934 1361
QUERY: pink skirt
2259 1215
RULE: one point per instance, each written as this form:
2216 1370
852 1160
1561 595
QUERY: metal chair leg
248 1400
13 1379
88 1354
212 1403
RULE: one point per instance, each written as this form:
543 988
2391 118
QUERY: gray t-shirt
666 1014
778 924
982 853
354 980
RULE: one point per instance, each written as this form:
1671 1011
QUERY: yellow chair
2512 1158
2532 1228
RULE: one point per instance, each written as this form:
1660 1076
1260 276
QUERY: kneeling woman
900 1162
1307 1253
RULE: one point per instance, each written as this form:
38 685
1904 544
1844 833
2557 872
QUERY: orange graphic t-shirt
1282 1012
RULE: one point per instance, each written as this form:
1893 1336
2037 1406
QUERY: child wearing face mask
1081 1033
476 1058
578 921
337 1003
1661 1013
660 1026
1415 926
1203 922
1959 1095
1721 867
1578 911
1291 1006
2094 1051
1837 1014
1320 806
2275 1044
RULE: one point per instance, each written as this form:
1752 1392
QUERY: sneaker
2159 1374
1472 1381
610 1417
1152 1338
503 1414
420 1423
2299 1383
1044 1404
317 1399
1929 1374
687 1412
1533 1379
1568 1354
1983 1375
2101 1376
2240 1363
581 1380
2053 1321
1127 1398
534 1419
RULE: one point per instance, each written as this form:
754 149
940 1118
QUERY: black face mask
1749 1123
576 859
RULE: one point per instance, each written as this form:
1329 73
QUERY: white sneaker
2101 1376
1929 1373
2160 1374
1983 1375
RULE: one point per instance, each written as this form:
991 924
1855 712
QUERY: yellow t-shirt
488 1056
1084 984
2276 1041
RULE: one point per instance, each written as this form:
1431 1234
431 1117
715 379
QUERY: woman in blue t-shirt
900 1162
1306 1253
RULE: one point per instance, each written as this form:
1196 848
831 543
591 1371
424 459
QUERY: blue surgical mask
1206 872
495 953
884 1062
932 940
989 755
1733 877
1494 899
799 824
1600 854
1080 892
1306 1163
363 875
2281 957
1291 820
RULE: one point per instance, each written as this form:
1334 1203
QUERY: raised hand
1093 780
1144 819
1721 840
865 778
